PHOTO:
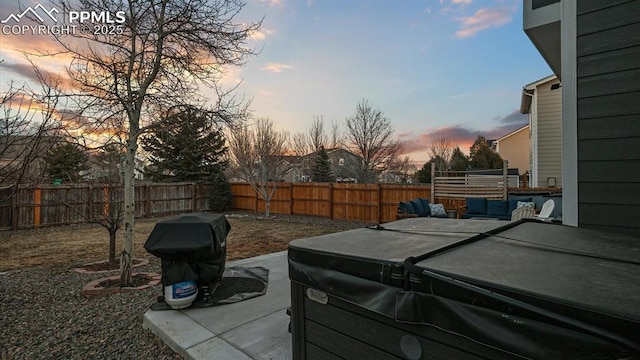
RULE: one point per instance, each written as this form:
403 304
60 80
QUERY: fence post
147 200
505 179
290 198
194 197
433 182
90 203
15 209
331 200
379 204
37 193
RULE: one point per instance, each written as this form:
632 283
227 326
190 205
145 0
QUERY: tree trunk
267 207
129 215
112 244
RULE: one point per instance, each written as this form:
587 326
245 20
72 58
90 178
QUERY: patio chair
547 209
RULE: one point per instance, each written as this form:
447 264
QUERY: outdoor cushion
417 206
524 212
498 208
407 208
425 205
513 203
437 210
530 204
476 206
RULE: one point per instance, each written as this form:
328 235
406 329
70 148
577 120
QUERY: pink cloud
272 2
484 19
418 144
275 67
261 34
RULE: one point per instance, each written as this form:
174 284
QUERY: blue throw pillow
477 206
407 208
497 207
417 206
425 205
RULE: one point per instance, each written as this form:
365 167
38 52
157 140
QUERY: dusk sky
436 67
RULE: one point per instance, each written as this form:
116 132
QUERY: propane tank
180 295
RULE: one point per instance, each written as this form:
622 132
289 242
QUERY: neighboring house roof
529 89
290 159
331 152
514 132
339 149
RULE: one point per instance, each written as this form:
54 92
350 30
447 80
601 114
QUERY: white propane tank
180 295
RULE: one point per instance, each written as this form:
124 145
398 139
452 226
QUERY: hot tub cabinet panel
461 289
340 330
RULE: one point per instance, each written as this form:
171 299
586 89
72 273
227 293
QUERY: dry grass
73 245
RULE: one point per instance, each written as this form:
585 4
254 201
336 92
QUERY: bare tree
110 197
401 170
104 199
29 126
441 150
311 141
317 137
258 156
300 144
370 134
336 137
156 61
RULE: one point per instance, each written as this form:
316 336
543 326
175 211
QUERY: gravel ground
44 316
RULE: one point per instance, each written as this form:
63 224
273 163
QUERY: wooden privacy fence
452 188
48 205
373 203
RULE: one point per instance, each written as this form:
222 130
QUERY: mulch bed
111 285
107 266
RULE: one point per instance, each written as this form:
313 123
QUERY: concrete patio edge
177 330
188 337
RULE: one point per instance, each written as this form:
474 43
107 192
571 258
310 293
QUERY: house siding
535 4
608 93
349 167
549 132
515 149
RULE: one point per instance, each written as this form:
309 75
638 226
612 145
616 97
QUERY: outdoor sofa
420 207
483 208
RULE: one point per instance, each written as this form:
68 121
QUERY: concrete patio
252 329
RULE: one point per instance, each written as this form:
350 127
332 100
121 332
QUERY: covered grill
192 248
